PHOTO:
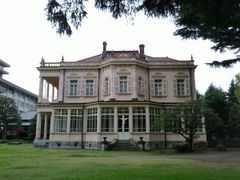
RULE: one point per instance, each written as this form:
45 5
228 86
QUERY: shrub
181 148
200 145
3 141
221 147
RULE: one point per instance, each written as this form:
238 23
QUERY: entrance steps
123 145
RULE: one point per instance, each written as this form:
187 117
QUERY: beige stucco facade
117 95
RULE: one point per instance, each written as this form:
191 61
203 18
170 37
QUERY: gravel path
217 157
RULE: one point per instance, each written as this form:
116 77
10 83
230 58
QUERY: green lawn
26 162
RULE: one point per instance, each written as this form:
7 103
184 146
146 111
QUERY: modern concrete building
25 100
116 95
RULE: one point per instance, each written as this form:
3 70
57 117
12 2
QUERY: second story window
73 88
89 87
158 88
180 87
123 81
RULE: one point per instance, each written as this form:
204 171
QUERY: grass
26 162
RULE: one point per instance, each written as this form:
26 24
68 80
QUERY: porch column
40 89
52 123
53 93
98 119
47 91
45 126
130 120
203 125
38 126
115 120
68 120
147 120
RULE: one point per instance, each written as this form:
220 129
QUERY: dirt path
218 157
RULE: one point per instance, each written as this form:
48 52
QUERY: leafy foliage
185 119
214 20
32 129
9 117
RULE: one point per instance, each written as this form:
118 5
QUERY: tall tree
186 119
9 117
214 20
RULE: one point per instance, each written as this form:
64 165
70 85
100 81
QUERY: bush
200 145
3 141
181 148
221 147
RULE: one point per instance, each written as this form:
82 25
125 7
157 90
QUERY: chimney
104 52
141 51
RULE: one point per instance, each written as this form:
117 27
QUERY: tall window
89 87
92 120
73 88
180 87
60 120
107 118
139 119
158 88
154 119
123 84
76 120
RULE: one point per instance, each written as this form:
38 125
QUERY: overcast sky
26 36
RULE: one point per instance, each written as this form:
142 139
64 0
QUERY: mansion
116 96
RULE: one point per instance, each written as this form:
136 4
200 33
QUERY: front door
123 127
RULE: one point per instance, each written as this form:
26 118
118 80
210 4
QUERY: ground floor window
92 120
139 119
155 123
76 120
107 119
60 120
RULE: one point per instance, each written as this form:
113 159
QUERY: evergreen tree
9 117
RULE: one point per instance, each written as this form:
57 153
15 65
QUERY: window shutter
109 86
164 87
83 88
152 87
143 86
187 87
129 84
117 84
95 87
175 87
67 87
79 88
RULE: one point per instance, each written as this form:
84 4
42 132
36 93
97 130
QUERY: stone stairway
123 145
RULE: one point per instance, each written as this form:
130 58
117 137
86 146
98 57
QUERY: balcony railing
50 64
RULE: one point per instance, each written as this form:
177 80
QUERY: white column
45 126
60 88
52 123
85 121
38 126
40 89
98 119
68 120
47 91
147 120
115 120
130 120
53 93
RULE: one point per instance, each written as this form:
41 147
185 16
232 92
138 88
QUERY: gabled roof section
149 58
